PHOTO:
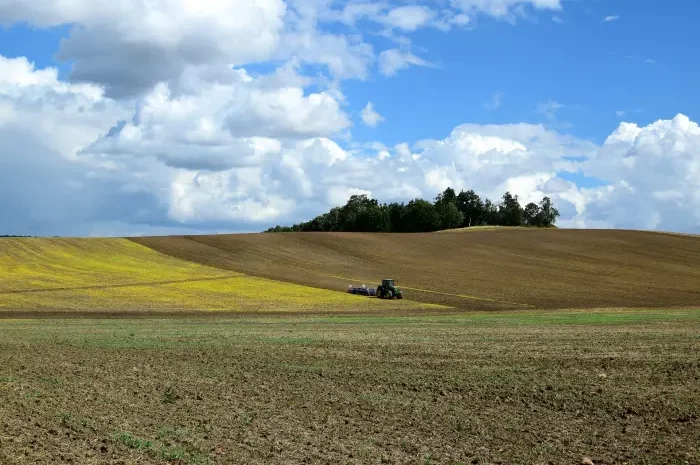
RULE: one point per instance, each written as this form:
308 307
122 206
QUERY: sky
135 117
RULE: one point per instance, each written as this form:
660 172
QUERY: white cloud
201 143
157 39
161 39
503 9
409 17
234 122
654 176
557 19
611 18
64 116
393 60
345 57
370 116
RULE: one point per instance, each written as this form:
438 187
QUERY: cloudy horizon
173 116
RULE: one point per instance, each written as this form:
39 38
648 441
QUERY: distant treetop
449 210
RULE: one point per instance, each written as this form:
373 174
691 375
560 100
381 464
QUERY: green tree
472 208
364 214
396 213
491 216
448 195
548 214
360 214
421 216
531 214
510 210
446 206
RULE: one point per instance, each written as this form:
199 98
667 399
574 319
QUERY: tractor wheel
379 293
399 295
389 294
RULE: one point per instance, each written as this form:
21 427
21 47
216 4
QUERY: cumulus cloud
236 121
190 138
130 45
77 161
370 116
653 176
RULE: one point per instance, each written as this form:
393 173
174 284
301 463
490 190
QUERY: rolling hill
120 276
469 269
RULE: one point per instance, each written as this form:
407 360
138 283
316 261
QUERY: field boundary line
111 286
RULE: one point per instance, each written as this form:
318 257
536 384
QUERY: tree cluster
449 210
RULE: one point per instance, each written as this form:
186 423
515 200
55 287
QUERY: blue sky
520 95
593 68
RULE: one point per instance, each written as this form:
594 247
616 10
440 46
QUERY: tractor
388 290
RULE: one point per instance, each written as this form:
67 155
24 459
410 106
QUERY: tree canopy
447 211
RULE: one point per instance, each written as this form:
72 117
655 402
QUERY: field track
480 269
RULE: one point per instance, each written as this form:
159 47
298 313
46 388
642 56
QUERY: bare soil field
480 388
480 269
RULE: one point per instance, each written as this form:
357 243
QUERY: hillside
481 269
120 276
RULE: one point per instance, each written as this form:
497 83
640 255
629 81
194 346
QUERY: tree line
449 210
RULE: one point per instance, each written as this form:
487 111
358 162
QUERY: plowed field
473 269
479 388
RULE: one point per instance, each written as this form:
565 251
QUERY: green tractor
388 290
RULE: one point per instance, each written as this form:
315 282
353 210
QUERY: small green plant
169 397
50 380
134 442
166 431
33 394
163 452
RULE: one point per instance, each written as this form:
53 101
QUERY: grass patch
162 452
169 432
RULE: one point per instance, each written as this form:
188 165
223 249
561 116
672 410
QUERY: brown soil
366 391
488 269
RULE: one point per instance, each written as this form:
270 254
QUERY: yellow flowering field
118 274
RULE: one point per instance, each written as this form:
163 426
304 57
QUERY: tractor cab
388 290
